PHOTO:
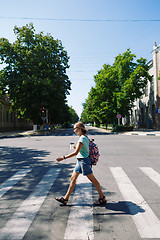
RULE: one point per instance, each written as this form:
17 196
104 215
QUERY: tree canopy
34 75
116 89
70 115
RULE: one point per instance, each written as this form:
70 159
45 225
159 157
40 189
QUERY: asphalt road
30 178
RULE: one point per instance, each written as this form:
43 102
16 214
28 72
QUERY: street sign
158 110
118 116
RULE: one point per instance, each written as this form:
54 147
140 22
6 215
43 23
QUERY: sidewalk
18 134
141 132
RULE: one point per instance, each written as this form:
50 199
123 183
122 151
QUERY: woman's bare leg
95 182
72 185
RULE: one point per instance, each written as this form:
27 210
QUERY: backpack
93 152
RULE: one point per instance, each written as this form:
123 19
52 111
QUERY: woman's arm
78 148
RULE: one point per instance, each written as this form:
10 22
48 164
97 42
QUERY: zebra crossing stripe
9 183
148 225
18 225
80 222
150 172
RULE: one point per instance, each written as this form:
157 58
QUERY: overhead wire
82 20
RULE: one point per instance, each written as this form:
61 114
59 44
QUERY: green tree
116 89
90 112
73 115
70 115
84 116
34 75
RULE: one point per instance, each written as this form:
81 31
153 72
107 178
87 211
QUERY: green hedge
123 128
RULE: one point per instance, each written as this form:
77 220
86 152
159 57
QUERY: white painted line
154 176
9 183
18 225
148 225
80 222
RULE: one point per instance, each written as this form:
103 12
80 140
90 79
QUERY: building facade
146 112
8 120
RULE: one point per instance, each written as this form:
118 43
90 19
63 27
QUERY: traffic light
43 112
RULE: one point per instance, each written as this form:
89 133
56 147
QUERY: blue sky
89 44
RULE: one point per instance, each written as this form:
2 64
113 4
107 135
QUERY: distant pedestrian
83 165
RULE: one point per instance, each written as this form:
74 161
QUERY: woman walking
83 165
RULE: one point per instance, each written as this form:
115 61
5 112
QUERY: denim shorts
83 166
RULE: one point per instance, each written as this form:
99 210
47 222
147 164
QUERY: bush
123 128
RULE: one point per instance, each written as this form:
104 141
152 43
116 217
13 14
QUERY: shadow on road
13 159
96 131
70 132
124 207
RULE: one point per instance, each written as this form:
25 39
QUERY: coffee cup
71 145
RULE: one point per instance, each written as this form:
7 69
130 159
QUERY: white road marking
9 183
148 225
18 225
152 174
80 222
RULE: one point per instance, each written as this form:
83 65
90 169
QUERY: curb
134 133
143 134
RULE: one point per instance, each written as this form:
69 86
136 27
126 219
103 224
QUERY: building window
146 112
7 116
136 115
153 114
11 117
142 115
146 90
152 84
